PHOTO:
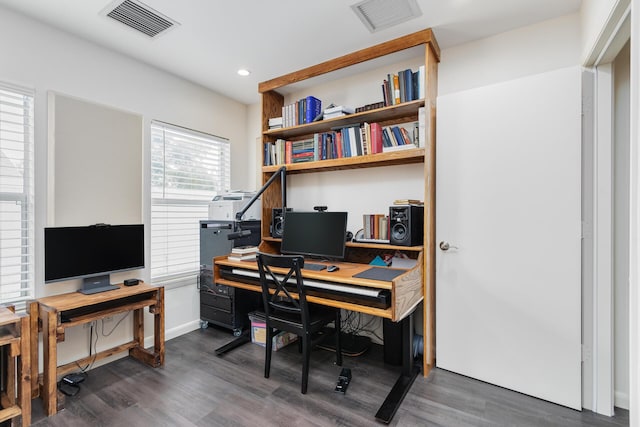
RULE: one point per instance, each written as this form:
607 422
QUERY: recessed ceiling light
243 72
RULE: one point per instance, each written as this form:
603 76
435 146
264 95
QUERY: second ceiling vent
380 14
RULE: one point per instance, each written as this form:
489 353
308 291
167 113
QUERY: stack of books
408 202
300 151
341 110
275 123
243 253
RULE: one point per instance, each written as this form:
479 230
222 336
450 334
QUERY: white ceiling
274 37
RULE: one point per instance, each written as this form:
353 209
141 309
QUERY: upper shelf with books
414 155
384 116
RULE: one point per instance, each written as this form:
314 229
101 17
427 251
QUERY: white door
508 293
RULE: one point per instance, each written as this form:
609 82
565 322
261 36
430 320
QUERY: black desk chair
285 313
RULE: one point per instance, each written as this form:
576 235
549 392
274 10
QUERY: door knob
445 246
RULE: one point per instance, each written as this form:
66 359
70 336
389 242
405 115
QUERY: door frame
634 238
598 145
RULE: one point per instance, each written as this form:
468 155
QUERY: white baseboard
621 400
177 331
174 332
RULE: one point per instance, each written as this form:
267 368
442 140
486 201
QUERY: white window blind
16 195
188 168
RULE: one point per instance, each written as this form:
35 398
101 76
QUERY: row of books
369 107
350 141
376 227
305 110
405 86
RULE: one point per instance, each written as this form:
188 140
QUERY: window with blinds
188 168
16 195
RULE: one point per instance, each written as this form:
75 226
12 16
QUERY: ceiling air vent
379 14
139 16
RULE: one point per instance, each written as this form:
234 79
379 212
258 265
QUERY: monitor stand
314 266
94 285
311 263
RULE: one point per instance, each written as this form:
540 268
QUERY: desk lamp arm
282 173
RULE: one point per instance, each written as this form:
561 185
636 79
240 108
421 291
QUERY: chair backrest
283 285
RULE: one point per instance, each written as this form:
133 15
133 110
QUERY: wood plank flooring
197 388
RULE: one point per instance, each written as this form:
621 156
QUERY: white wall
45 59
546 46
253 154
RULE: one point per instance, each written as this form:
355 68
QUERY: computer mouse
333 268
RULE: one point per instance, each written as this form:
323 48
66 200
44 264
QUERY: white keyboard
355 290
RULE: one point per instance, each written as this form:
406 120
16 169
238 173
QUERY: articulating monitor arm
282 173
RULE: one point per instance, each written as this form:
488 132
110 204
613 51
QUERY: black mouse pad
380 273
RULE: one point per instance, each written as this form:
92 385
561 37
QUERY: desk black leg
244 338
406 378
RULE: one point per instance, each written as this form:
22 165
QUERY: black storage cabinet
223 305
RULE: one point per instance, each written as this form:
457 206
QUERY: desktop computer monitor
314 234
92 253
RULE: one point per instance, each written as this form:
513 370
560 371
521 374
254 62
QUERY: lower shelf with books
402 157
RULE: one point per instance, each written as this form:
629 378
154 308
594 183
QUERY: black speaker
277 222
407 225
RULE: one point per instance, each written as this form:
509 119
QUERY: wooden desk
406 289
15 346
406 294
56 313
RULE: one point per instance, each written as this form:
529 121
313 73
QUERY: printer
224 207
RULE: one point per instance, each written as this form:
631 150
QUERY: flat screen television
92 253
314 234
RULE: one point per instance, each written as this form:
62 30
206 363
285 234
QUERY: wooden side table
56 313
15 398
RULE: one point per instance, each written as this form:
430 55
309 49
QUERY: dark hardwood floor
197 388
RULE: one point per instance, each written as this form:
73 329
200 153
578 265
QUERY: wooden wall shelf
273 101
401 157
